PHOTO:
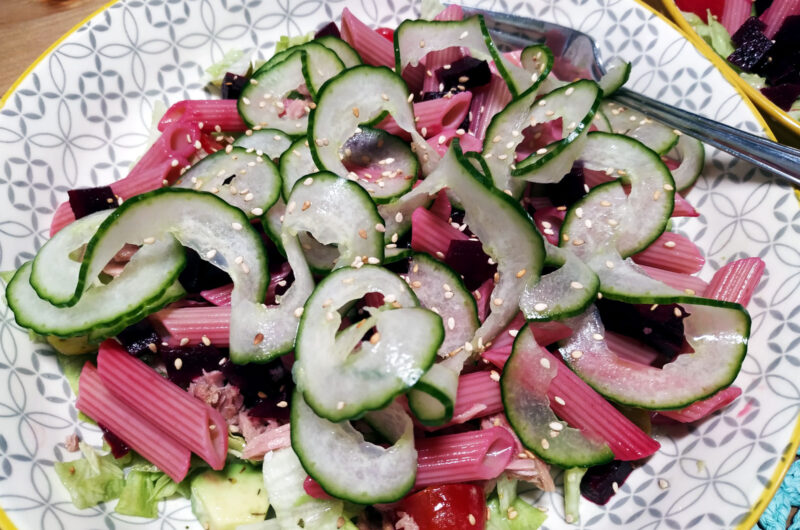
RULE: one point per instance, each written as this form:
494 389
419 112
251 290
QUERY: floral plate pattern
83 115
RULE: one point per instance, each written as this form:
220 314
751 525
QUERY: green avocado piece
223 500
519 516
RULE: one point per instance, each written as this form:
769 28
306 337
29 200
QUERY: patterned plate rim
788 455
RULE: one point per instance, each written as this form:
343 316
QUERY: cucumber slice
243 179
692 155
441 290
142 287
345 465
639 218
271 143
261 103
524 383
284 477
394 254
259 333
386 165
601 122
617 74
538 61
336 212
295 163
369 373
717 332
576 104
654 135
346 53
343 106
54 273
322 63
414 39
563 293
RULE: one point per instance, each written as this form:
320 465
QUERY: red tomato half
699 7
447 507
387 33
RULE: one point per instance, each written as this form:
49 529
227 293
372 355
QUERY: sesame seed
609 264
576 354
248 197
669 187
206 340
373 260
541 306
282 404
542 102
559 400
577 242
677 312
153 348
340 405
362 234
663 484
615 487
569 91
513 332
442 139
356 112
556 426
656 195
471 519
497 301
597 336
298 312
257 339
375 338
541 151
670 244
178 363
257 211
422 44
306 205
690 292
545 445
384 97
494 376
463 35
451 323
236 226
149 240
398 219
545 362
605 203
416 284
579 212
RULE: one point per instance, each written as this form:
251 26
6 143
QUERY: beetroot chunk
782 95
85 201
752 45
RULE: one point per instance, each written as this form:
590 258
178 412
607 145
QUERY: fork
579 50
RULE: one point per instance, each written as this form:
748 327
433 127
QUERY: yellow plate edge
752 95
43 55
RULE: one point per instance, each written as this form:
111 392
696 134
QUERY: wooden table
29 27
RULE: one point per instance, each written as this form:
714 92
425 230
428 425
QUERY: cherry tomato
447 507
386 33
699 7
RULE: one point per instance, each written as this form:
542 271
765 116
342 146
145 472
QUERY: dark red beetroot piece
783 65
752 45
569 189
233 84
782 95
600 483
468 259
117 446
657 327
200 275
137 338
761 6
467 72
328 30
85 201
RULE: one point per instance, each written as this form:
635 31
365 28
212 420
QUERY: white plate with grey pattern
83 114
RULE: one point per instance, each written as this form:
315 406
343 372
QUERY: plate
780 116
83 114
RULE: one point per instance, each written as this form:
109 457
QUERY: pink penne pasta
700 409
161 163
672 252
775 14
188 325
373 48
149 440
464 457
734 13
432 234
630 349
270 440
434 115
678 280
196 425
209 115
478 395
487 101
736 281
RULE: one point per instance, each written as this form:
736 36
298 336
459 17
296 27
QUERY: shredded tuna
211 388
249 426
406 522
295 108
271 439
71 443
530 469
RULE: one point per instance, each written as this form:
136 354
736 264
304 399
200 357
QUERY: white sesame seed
556 426
463 35
609 264
340 405
597 336
545 362
497 301
559 400
178 363
206 340
451 323
663 484
541 306
677 312
670 244
236 226
298 312
545 444
569 91
211 253
576 354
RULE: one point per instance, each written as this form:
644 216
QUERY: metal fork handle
780 159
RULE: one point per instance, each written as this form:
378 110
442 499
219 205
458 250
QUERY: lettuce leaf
93 479
429 9
713 33
285 42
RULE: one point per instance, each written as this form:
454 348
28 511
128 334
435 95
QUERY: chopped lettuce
429 9
754 80
135 498
285 42
713 33
72 365
93 479
519 516
234 61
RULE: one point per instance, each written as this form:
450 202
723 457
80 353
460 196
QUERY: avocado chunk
223 500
